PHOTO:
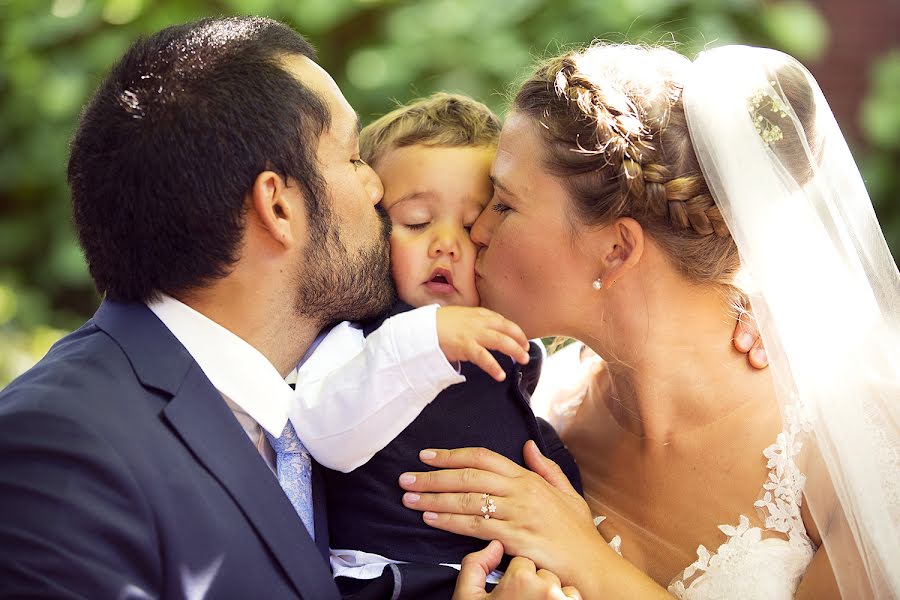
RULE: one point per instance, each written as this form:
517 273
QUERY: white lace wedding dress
756 562
753 562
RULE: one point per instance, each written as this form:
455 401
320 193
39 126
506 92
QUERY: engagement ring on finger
487 506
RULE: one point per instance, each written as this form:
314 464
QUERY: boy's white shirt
354 394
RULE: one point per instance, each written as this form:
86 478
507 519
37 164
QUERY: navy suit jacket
123 474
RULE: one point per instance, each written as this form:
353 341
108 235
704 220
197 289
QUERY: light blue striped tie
294 467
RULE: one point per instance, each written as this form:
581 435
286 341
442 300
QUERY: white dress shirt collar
237 369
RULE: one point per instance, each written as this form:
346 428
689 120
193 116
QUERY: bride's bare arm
818 581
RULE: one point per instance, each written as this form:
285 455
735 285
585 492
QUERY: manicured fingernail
759 355
429 516
745 340
427 454
407 479
410 498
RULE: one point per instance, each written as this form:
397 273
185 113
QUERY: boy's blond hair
442 119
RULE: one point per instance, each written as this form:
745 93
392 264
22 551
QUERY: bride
639 198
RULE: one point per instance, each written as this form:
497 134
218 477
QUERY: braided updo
615 135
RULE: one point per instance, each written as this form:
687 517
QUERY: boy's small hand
467 333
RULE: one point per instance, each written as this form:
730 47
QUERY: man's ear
271 207
621 248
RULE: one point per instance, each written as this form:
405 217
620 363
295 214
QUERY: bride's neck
671 360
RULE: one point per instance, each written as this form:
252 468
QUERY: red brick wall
861 32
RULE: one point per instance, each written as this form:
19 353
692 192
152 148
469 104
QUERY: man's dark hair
171 143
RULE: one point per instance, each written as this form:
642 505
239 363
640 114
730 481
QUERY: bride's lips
441 282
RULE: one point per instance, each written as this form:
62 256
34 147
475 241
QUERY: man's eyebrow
352 138
497 184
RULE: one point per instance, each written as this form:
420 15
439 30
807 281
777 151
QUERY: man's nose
373 186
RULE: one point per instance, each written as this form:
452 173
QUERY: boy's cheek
470 294
399 244
403 265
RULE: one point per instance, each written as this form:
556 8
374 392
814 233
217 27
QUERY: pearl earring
597 285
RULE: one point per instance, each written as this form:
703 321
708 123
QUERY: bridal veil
824 288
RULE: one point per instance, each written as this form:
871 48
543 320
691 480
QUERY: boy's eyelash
417 226
499 207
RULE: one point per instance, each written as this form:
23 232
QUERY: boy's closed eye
416 226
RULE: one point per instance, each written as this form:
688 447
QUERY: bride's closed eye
500 207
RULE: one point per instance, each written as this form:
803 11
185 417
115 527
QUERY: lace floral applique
780 502
741 539
783 491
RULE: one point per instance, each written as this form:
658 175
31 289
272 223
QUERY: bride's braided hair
615 134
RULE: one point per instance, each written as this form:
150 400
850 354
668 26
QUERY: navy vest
364 507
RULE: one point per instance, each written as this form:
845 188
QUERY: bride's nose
483 227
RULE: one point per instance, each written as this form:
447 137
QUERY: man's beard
336 285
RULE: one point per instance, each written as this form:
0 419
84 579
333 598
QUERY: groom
226 218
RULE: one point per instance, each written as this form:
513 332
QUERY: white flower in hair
764 99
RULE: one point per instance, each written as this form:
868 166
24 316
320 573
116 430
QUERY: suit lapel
199 415
208 428
320 514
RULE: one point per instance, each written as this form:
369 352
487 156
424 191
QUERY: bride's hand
536 514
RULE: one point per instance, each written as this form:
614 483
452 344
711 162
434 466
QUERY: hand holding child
467 333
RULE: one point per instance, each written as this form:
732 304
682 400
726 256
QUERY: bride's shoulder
567 378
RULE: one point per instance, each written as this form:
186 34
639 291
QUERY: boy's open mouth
441 281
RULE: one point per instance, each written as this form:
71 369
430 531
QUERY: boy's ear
621 245
271 208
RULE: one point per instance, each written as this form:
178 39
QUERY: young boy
434 159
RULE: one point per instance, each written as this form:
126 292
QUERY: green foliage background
53 54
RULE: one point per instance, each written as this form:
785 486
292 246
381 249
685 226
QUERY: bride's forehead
519 129
519 151
519 164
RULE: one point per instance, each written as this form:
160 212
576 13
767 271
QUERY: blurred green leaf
53 53
8 304
797 28
880 113
119 12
